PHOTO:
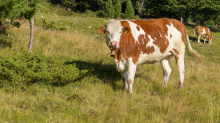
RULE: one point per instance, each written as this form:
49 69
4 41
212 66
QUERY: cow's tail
197 55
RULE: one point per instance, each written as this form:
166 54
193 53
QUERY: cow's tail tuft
197 55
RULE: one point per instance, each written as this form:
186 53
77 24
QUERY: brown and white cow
204 32
136 42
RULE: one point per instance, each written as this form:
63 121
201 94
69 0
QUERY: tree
129 11
140 6
109 9
117 5
15 9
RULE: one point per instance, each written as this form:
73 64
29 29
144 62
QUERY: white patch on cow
160 35
150 43
176 35
151 58
135 33
121 66
113 31
175 40
203 31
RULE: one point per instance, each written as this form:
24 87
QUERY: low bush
48 25
36 67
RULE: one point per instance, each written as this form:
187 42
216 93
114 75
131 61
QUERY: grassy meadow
99 96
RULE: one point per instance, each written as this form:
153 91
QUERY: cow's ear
101 30
126 30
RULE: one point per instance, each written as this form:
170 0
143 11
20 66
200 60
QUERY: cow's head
113 30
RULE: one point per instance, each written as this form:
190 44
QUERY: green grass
99 96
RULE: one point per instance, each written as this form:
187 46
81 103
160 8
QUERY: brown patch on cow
128 47
176 51
170 36
143 45
155 29
177 58
129 81
101 30
150 49
138 28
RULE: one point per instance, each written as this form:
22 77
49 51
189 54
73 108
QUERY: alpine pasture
99 96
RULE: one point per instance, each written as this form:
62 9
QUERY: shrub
109 8
35 67
47 25
90 13
100 13
118 8
129 11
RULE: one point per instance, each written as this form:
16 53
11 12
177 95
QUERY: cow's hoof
180 86
164 84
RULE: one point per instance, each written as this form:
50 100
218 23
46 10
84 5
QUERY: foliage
14 9
129 11
35 67
50 25
117 5
109 9
100 97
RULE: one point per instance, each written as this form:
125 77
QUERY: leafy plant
35 67
47 25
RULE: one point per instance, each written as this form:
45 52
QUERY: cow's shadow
194 39
107 73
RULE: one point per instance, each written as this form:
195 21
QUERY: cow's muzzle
113 45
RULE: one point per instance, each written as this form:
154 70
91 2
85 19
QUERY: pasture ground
99 96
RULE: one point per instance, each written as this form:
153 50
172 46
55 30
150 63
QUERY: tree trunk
73 4
141 6
181 19
31 34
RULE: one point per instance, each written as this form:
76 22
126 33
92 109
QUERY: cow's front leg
204 40
125 78
199 38
130 74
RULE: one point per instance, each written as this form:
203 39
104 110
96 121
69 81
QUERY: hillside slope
99 96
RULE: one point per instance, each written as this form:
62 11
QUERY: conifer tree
117 5
19 9
109 9
129 11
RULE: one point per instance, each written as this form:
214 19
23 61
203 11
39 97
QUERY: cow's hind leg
166 71
181 68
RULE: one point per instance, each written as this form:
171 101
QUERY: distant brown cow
204 32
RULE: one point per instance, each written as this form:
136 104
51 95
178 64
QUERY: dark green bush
47 25
35 67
